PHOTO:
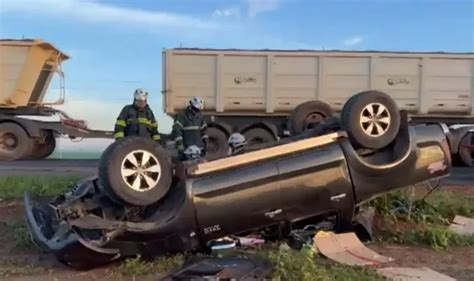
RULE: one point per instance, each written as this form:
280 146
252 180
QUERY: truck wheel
371 119
218 146
15 143
43 150
466 149
258 136
309 114
135 171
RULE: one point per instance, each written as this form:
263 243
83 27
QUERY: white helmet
140 94
192 152
237 140
197 103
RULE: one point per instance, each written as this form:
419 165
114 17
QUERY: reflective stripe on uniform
205 137
203 126
121 123
178 138
119 135
145 121
189 128
179 124
156 137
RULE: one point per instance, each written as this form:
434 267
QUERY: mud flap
60 239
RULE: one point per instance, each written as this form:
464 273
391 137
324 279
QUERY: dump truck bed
26 68
270 82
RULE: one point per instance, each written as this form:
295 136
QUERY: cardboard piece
412 274
462 225
346 248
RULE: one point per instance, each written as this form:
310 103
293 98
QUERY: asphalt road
459 175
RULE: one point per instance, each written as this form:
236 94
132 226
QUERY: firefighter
189 126
237 144
137 119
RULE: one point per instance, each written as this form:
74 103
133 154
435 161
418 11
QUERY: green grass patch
13 268
408 219
140 267
17 233
13 187
439 208
437 237
306 265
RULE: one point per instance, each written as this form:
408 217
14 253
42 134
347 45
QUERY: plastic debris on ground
249 241
346 248
412 274
231 268
462 225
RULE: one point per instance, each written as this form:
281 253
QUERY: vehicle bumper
60 239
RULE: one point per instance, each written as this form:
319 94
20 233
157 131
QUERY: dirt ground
457 263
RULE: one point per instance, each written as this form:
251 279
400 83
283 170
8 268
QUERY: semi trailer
26 70
270 94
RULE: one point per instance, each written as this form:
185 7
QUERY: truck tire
258 136
371 119
218 146
43 150
15 144
309 114
135 171
466 149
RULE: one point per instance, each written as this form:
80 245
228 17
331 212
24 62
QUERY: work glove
180 145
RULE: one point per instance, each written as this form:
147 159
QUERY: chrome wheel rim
375 119
140 170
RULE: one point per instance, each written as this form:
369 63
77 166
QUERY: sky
115 45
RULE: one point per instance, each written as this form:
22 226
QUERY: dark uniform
134 121
188 129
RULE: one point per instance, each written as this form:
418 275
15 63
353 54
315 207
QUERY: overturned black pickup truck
144 202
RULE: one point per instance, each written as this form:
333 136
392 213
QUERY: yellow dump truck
268 94
26 69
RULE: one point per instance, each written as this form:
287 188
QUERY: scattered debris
346 248
231 268
250 241
462 225
411 274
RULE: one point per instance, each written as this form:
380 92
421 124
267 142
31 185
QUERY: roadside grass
14 268
13 187
287 264
139 267
306 265
404 217
18 233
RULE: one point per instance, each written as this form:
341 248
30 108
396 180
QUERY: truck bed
272 82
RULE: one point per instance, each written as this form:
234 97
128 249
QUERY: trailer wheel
218 146
15 143
258 136
309 114
135 171
466 149
371 119
43 150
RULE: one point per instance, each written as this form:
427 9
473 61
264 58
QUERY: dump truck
270 94
26 69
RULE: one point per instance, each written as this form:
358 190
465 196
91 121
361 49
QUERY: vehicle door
238 200
315 182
